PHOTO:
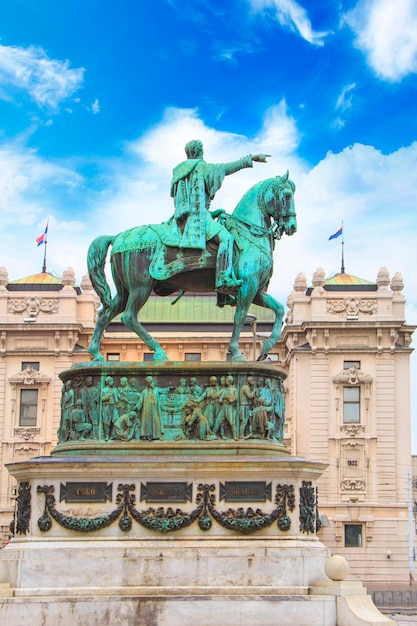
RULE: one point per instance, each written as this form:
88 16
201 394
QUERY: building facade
345 349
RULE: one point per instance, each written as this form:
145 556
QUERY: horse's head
278 201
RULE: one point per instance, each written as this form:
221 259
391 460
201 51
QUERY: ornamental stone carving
33 306
4 277
355 484
382 280
352 430
300 283
352 376
352 306
319 277
86 284
29 376
68 277
397 282
27 434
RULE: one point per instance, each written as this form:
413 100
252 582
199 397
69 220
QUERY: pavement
404 620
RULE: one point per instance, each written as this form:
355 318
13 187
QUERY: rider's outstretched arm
247 161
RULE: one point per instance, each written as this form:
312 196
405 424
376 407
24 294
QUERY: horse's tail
96 260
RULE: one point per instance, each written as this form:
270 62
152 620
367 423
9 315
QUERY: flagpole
342 269
44 252
44 261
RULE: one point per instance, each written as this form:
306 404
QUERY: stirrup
228 284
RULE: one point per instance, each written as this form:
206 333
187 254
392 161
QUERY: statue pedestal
172 531
178 538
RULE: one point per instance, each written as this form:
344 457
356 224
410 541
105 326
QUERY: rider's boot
227 282
224 298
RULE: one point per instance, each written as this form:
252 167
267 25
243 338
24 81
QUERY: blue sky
97 100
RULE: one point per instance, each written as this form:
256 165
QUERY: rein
275 230
256 231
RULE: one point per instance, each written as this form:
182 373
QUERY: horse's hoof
238 357
160 355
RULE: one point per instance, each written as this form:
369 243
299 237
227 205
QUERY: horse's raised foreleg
137 298
267 301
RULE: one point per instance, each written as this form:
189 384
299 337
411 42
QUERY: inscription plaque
166 492
245 491
86 492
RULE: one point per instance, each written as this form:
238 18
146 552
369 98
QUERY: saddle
170 260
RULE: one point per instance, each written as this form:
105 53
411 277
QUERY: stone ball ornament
336 567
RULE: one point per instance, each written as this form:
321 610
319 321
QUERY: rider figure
194 184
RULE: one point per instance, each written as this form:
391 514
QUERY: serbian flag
42 238
337 233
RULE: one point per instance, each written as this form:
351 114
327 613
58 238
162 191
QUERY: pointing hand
261 158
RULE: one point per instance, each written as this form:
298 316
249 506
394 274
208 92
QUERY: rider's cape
194 184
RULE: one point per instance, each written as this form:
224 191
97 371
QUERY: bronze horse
141 263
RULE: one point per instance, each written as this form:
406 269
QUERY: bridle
281 193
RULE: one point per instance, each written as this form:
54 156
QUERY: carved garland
21 518
168 520
309 514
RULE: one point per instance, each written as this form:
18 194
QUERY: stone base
158 540
238 566
176 611
353 606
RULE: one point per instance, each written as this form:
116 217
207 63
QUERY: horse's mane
259 190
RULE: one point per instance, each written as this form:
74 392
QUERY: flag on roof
337 233
42 238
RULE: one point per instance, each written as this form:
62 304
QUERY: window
348 364
193 356
113 356
148 356
273 357
351 405
353 535
28 407
33 364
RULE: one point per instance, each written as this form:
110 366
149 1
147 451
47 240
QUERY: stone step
6 590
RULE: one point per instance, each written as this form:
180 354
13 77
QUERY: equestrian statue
197 250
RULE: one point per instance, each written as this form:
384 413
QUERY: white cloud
344 101
141 191
231 49
375 196
46 81
386 32
95 107
292 16
279 131
27 185
163 145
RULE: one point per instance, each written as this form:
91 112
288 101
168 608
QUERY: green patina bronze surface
198 251
134 405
